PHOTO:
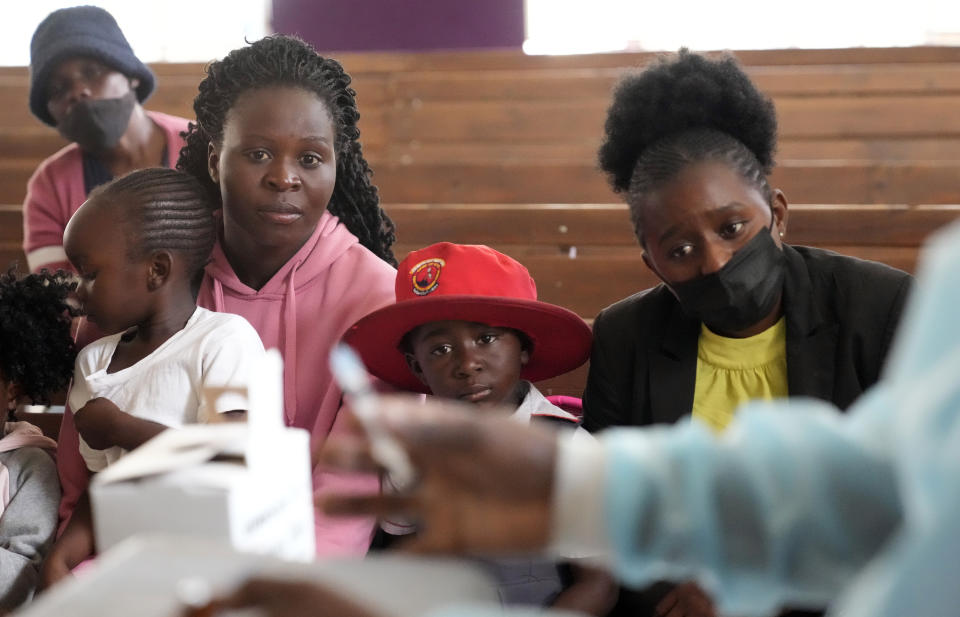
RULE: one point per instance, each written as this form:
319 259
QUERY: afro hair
679 93
36 349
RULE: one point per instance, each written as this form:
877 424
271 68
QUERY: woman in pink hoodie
304 248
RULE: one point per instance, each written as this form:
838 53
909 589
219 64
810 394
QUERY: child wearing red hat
467 325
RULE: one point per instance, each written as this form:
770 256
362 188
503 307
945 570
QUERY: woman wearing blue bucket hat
86 82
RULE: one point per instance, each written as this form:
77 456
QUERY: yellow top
731 371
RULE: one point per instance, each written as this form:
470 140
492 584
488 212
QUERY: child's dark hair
288 61
686 109
164 209
36 349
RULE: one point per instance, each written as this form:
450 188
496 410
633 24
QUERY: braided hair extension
686 109
36 349
164 209
288 61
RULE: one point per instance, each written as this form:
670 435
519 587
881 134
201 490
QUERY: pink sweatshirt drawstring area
303 310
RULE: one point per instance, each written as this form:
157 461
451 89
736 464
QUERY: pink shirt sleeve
54 192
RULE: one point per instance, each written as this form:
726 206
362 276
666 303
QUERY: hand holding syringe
353 379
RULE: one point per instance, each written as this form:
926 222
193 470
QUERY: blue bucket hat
81 31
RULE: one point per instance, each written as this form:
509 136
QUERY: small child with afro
36 360
467 326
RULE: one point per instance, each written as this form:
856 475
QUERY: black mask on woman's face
742 292
97 125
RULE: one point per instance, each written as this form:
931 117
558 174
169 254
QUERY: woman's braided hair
288 61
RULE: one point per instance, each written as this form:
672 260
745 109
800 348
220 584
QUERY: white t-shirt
212 350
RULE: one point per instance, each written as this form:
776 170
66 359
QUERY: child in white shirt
139 245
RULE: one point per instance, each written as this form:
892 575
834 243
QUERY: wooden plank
584 148
529 182
608 225
602 227
605 263
555 121
597 83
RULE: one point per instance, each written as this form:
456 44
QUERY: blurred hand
485 482
54 570
686 600
97 422
275 598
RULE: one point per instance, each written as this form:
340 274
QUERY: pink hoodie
16 435
330 283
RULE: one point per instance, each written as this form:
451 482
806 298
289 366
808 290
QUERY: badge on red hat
426 275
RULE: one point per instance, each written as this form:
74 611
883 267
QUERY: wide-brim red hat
468 283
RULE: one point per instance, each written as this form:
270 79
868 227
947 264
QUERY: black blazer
841 315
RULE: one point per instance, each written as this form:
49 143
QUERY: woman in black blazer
690 144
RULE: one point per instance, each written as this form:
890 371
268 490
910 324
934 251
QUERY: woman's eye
310 160
681 251
488 338
732 229
258 155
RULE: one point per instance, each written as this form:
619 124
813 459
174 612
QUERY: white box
249 485
200 480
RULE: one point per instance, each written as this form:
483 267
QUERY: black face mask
97 125
739 294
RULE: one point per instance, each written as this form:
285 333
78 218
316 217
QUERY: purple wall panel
414 25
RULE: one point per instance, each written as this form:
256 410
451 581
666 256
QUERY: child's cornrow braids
36 350
165 210
288 61
686 109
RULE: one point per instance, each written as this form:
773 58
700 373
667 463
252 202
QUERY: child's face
276 168
469 361
113 287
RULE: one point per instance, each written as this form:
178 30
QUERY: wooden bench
584 256
857 126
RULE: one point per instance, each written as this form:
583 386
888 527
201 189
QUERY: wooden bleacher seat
500 148
49 423
585 257
869 126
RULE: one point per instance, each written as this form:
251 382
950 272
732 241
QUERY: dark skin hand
73 546
593 592
275 598
104 425
686 600
485 482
